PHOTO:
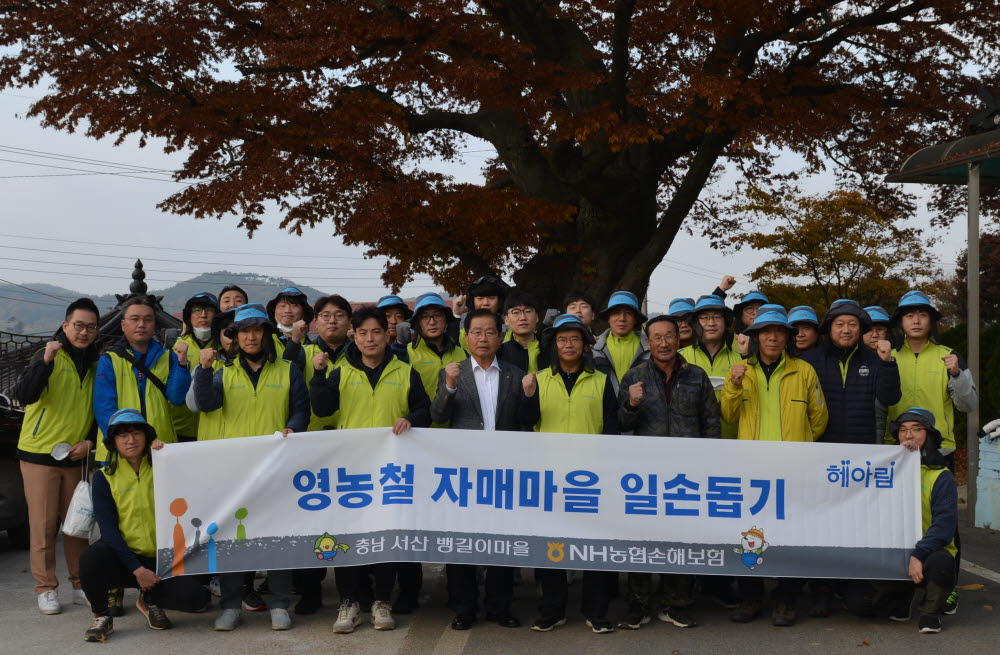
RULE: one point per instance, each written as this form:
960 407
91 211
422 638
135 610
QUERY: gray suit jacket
462 407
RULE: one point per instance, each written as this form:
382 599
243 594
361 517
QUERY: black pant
676 589
410 576
555 591
787 591
876 597
309 582
464 591
101 570
351 581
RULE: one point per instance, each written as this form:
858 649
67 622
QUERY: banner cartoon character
753 547
326 547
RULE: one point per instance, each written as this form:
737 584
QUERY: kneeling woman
125 556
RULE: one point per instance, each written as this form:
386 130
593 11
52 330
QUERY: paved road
973 630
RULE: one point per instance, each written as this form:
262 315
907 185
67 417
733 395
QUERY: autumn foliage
611 122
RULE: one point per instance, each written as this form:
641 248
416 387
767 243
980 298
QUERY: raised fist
51 348
635 394
728 282
743 343
736 374
530 384
320 361
299 329
181 348
884 349
451 375
951 362
207 357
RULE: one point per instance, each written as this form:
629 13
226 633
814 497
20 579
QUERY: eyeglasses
709 317
916 430
135 320
202 310
518 313
436 316
569 340
80 326
478 334
329 316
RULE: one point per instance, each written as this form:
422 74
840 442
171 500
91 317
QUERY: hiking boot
600 626
155 616
636 618
951 605
783 614
821 603
676 615
382 616
548 623
725 597
930 624
116 602
228 620
348 618
99 630
48 602
252 600
280 619
746 612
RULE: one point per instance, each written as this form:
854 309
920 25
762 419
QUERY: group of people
493 359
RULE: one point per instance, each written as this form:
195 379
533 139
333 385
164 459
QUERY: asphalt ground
974 629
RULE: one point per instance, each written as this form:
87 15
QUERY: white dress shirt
488 386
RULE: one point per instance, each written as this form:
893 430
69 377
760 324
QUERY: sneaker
80 598
725 597
48 602
900 614
348 618
252 600
280 619
382 616
155 616
228 620
783 614
747 611
635 619
546 623
951 605
676 615
600 626
930 624
215 587
99 630
116 602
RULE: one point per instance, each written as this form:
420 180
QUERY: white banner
626 503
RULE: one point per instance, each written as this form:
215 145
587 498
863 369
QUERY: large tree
611 120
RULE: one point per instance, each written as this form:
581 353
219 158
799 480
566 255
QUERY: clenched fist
451 375
320 361
728 282
207 357
951 362
635 394
530 384
51 348
737 372
743 343
299 329
458 305
884 349
181 348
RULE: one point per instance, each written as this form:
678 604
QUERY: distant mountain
46 304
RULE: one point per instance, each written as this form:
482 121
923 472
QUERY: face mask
287 329
202 333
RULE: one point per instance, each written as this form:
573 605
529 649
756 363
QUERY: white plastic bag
79 520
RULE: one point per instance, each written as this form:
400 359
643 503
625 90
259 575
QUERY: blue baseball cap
625 299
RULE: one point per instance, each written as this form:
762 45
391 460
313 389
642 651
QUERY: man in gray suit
480 393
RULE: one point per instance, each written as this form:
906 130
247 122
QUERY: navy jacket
852 401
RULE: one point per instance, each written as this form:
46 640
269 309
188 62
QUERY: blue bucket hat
844 307
293 295
625 299
923 416
914 300
713 302
122 418
752 296
681 307
249 315
565 322
201 298
877 315
803 314
393 301
770 315
428 300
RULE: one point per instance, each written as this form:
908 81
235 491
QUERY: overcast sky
84 231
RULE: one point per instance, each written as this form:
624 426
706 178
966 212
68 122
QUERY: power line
33 290
89 172
33 302
83 160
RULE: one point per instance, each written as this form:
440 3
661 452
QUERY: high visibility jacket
802 408
65 410
923 379
311 350
364 407
581 411
428 364
249 411
928 476
211 424
133 495
605 362
186 421
158 408
727 357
